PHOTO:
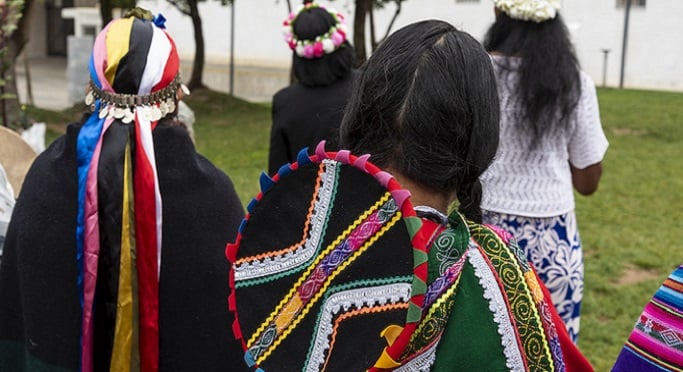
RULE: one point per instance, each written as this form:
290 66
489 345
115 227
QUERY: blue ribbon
159 20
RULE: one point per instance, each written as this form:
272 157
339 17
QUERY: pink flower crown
324 44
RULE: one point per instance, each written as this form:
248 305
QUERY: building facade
653 57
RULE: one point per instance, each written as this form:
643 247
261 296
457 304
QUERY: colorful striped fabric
131 56
656 342
484 308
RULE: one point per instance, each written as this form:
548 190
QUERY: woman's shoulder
587 82
285 92
63 148
294 95
491 234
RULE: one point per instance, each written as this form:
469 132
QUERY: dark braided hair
549 80
426 106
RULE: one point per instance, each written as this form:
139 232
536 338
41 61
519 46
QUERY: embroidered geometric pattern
310 275
313 283
441 284
445 247
349 303
553 246
499 308
521 302
551 333
525 331
656 342
313 233
661 332
351 310
422 362
435 320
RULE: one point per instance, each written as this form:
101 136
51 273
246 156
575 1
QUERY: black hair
549 77
426 105
328 68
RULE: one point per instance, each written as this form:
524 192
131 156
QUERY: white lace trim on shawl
350 299
498 307
303 253
421 363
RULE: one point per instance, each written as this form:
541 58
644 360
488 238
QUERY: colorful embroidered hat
134 75
329 267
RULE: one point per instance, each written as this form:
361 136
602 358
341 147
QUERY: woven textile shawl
329 255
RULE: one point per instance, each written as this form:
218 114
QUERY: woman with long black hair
551 142
356 263
425 109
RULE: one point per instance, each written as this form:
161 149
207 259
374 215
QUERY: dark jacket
303 116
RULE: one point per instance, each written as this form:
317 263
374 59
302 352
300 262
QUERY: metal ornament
119 112
150 107
103 112
163 107
171 105
128 116
89 98
185 89
155 113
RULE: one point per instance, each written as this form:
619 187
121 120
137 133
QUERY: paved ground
49 82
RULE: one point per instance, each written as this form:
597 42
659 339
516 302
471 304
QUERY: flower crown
529 10
322 44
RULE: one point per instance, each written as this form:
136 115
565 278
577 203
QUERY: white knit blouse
537 182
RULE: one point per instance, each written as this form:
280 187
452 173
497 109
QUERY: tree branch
393 19
181 6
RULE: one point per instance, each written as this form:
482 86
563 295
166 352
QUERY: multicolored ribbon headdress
134 80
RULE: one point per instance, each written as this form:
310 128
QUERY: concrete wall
654 53
263 59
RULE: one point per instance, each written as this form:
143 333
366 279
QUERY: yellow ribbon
385 361
125 337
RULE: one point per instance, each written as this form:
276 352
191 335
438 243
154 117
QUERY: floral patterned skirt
553 246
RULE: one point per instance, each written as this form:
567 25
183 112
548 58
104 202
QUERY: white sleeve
588 144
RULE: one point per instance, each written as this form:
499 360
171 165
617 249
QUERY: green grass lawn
235 135
630 228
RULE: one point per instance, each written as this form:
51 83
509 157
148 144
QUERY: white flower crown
529 10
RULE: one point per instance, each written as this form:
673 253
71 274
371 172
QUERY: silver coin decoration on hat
150 107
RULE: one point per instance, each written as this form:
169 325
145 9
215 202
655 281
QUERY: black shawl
40 315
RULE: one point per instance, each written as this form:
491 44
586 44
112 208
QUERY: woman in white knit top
551 142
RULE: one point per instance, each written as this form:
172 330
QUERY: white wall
258 24
258 37
654 59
